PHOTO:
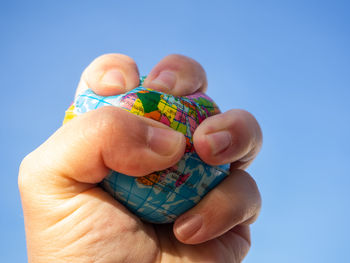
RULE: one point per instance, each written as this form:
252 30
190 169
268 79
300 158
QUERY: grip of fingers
234 202
162 195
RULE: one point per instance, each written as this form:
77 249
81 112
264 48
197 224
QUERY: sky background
287 62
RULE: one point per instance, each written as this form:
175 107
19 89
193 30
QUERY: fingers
237 240
113 74
86 148
110 74
236 201
231 137
177 75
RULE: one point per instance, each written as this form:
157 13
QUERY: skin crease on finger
84 223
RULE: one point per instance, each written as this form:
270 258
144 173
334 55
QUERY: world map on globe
161 196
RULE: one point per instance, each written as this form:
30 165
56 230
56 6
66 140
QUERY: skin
68 218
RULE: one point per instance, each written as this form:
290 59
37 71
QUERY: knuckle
182 59
101 125
189 69
177 57
251 187
241 114
240 117
24 172
111 131
106 61
245 124
245 118
116 57
245 203
249 180
107 119
234 213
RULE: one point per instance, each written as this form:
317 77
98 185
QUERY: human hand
68 218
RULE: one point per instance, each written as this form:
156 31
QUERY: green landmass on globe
162 196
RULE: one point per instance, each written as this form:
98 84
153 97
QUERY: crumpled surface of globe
162 196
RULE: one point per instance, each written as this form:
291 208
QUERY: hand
68 218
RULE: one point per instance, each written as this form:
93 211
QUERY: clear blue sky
287 62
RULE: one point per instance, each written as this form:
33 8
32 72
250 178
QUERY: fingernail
164 141
166 80
113 77
188 226
219 141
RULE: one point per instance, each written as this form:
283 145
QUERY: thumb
83 151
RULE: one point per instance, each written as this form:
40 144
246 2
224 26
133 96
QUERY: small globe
162 196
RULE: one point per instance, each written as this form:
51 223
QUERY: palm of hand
102 230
